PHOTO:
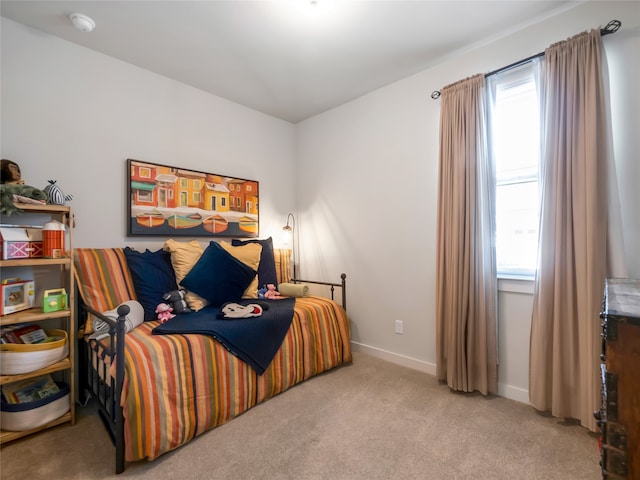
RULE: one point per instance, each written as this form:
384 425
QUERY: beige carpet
368 420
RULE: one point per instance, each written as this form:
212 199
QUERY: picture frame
164 200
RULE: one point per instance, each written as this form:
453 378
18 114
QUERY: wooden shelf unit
6 436
34 262
65 265
63 364
32 315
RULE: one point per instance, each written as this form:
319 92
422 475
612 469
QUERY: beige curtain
466 272
565 341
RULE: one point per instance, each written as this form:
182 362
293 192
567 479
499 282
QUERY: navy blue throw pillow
152 276
218 276
267 267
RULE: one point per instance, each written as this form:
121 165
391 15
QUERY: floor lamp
290 239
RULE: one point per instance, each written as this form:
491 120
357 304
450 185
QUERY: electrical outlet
399 327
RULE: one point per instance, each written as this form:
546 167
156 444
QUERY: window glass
515 149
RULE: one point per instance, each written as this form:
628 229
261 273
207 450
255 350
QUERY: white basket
16 359
26 416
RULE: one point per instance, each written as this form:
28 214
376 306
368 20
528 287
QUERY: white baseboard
513 393
405 361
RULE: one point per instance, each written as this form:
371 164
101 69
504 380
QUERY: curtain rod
612 27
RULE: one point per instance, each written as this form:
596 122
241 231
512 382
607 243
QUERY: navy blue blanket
254 340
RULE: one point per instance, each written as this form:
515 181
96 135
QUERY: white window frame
514 279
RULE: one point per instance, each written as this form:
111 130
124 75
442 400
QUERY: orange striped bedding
179 386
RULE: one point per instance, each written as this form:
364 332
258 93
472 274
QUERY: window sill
516 284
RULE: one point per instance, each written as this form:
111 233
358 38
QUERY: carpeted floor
368 420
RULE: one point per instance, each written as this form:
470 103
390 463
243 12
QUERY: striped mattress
179 386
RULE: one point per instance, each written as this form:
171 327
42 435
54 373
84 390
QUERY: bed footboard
97 376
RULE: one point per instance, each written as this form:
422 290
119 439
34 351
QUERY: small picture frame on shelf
17 295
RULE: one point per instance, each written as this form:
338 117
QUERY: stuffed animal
164 312
10 173
13 189
54 192
12 193
269 291
235 310
176 298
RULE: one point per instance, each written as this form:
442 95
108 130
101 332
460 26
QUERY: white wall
364 175
74 115
367 191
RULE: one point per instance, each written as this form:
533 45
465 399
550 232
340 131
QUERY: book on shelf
26 334
30 390
6 333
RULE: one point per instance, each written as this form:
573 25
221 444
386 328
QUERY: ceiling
286 58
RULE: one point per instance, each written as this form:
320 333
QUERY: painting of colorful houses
172 201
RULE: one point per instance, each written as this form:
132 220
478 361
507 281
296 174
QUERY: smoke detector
82 22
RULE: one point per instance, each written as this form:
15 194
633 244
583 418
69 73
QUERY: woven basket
18 358
25 416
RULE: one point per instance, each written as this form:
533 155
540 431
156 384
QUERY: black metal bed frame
92 379
342 285
107 395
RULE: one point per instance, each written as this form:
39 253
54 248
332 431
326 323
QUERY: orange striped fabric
282 257
317 341
103 278
178 386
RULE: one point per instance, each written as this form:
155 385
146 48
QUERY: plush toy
10 173
54 192
12 193
164 312
269 291
235 310
176 299
13 189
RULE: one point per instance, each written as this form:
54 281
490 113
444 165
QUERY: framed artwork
171 201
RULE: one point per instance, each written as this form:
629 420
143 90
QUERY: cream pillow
248 254
184 256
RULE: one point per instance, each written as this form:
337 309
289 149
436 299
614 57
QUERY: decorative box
54 300
21 242
19 358
17 295
18 417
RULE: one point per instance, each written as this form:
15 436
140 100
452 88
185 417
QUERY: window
144 196
515 149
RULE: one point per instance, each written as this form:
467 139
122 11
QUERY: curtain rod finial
435 94
612 27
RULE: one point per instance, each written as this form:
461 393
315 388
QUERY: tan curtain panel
466 272
565 340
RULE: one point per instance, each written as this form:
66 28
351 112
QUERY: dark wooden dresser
619 414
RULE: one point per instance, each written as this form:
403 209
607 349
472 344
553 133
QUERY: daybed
172 387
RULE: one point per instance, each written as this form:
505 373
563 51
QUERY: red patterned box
20 243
